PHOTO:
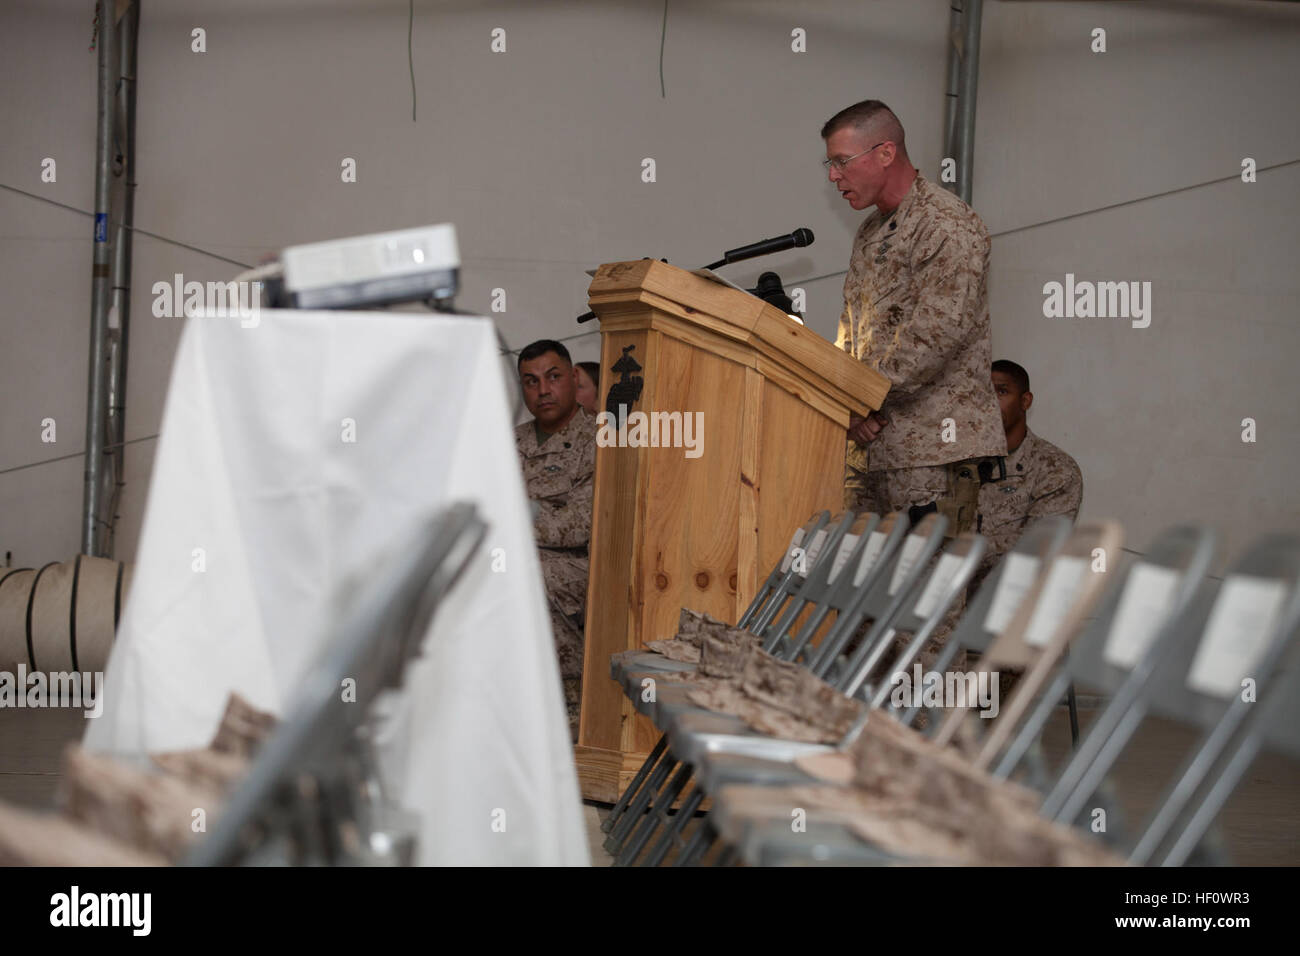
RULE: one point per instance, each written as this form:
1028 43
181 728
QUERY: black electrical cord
663 35
410 56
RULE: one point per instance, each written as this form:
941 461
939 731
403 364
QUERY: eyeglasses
841 163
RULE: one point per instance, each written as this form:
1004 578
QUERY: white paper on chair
870 555
939 581
1019 572
795 541
1236 634
814 552
911 550
847 544
1148 595
1059 593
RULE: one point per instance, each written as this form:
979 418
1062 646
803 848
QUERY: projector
383 268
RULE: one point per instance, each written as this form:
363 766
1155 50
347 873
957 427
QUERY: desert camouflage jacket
916 309
1041 480
560 476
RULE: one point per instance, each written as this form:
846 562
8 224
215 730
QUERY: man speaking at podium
916 309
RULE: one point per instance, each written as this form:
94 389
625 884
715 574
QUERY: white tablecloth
252 468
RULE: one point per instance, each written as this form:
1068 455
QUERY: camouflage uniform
916 309
1041 480
559 475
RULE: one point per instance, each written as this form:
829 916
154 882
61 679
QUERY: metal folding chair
1244 629
978 626
918 607
868 548
1127 639
1036 638
890 594
788 577
1275 722
1170 643
311 795
1024 614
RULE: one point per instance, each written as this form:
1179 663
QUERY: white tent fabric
260 507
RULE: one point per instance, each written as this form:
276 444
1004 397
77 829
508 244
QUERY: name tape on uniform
1019 572
1055 600
939 581
1148 596
1236 634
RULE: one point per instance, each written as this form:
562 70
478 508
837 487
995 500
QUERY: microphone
799 238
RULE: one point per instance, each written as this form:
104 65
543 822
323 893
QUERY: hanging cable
75 454
663 35
410 56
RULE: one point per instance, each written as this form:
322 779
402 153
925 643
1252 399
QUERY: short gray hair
868 115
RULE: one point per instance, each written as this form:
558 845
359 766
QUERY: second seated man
1041 479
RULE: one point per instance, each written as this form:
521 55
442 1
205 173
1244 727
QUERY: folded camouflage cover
693 627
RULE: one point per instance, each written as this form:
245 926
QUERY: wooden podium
698 527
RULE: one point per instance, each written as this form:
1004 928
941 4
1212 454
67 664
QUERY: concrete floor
1260 825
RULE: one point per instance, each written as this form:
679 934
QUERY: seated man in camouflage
1040 479
557 451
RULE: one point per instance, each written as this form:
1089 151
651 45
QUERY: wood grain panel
749 569
802 460
692 504
609 581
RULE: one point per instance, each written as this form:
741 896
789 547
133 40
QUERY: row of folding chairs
1153 634
884 563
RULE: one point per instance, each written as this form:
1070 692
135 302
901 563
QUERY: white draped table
294 452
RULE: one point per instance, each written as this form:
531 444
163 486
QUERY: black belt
917 512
